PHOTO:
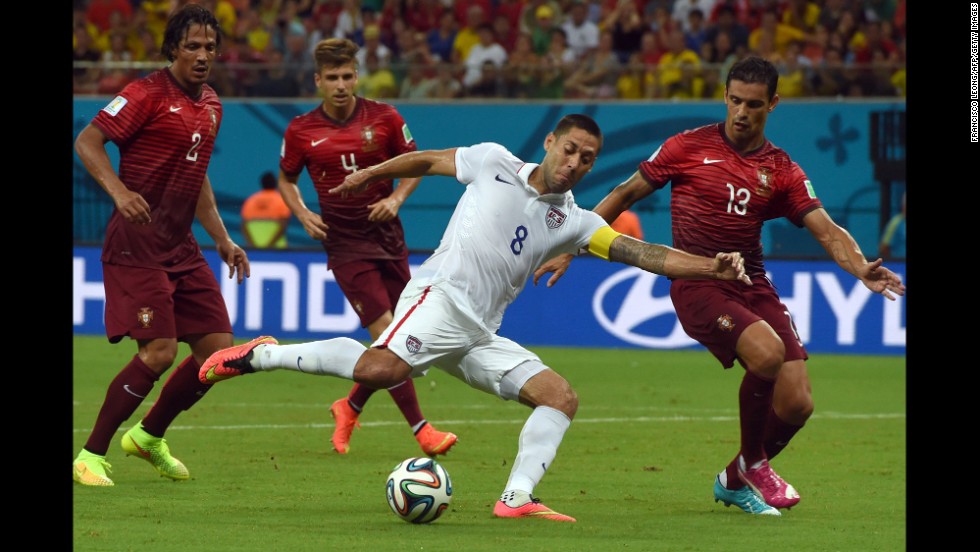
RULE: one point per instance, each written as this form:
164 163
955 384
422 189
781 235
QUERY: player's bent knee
381 369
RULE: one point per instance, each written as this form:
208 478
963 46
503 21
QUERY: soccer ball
419 490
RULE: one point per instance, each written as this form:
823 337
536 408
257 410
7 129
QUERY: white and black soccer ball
419 490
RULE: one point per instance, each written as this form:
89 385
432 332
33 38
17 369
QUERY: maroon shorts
716 313
147 303
372 286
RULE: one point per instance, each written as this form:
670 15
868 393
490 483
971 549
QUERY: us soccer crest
554 218
413 344
367 139
764 189
145 317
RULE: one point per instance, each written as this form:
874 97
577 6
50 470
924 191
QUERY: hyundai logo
629 317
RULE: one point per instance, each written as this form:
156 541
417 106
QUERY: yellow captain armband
600 241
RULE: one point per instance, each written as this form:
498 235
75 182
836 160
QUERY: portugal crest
367 139
725 323
145 317
764 189
555 217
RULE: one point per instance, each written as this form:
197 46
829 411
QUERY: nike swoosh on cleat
498 179
130 391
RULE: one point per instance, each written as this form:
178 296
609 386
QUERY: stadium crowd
536 49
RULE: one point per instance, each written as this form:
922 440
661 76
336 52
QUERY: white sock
536 447
330 357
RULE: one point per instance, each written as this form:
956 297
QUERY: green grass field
636 468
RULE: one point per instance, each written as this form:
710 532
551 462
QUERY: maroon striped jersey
719 198
165 139
330 150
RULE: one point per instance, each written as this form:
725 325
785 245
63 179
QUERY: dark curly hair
180 22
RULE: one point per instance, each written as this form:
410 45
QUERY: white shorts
428 330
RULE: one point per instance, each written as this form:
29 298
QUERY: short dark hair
578 120
755 70
335 52
180 23
269 181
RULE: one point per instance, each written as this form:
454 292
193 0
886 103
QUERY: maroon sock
754 404
731 470
358 396
126 392
778 434
182 391
408 402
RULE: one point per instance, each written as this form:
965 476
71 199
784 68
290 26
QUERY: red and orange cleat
434 442
231 362
346 419
519 504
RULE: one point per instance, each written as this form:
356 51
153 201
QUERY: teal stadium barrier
830 140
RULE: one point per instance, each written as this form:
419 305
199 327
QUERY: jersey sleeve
800 196
402 140
595 234
292 155
122 118
471 159
663 164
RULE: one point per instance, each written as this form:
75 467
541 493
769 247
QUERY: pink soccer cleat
231 362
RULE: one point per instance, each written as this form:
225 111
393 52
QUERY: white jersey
501 231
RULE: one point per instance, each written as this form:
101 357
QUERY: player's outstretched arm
674 263
847 254
414 164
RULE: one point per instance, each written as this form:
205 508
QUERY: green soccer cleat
137 442
745 499
90 469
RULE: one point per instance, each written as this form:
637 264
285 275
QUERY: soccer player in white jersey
512 217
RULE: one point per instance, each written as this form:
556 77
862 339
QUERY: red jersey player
361 233
726 180
159 288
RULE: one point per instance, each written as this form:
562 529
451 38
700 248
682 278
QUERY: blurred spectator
267 10
224 12
892 245
696 33
157 12
596 76
677 68
816 44
85 80
265 216
99 12
682 9
831 13
504 32
801 14
545 19
898 21
441 39
446 85
490 83
467 36
529 13
372 44
511 9
582 34
325 27
417 84
521 72
794 73
276 79
727 22
555 66
377 81
829 78
487 49
879 10
254 33
350 20
898 77
424 15
114 79
287 23
627 27
463 8
298 62
648 59
780 34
